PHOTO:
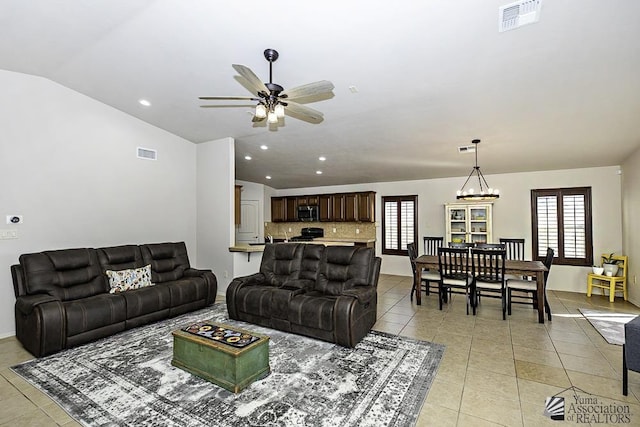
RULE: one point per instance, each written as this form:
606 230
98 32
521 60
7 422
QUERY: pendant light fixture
484 192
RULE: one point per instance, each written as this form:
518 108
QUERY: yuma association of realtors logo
585 408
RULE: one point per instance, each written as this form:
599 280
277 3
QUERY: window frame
560 193
399 200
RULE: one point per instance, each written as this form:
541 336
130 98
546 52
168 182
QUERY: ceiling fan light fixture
279 110
486 193
261 111
272 117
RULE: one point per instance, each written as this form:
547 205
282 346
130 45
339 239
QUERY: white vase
610 269
598 270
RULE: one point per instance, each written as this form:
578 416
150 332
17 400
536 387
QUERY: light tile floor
494 372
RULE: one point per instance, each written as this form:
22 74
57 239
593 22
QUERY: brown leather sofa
63 298
328 293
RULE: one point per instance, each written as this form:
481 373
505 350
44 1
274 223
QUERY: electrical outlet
334 229
289 229
226 274
357 231
8 234
635 279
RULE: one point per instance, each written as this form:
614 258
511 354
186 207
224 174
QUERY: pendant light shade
483 191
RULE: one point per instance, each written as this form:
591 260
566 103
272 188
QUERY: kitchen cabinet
341 207
338 207
466 222
367 206
291 209
325 207
350 207
278 209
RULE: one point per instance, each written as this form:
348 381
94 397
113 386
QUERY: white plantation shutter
561 220
399 223
547 224
391 229
574 226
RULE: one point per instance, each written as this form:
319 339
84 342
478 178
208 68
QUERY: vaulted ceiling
414 80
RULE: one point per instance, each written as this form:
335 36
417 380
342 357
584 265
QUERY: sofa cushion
281 262
344 267
311 257
65 274
255 300
131 278
120 257
185 291
313 309
147 300
168 260
94 312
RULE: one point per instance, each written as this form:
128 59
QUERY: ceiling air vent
515 15
467 149
147 153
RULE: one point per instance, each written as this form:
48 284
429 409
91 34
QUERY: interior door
249 229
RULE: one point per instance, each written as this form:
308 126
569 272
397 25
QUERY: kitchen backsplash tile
343 230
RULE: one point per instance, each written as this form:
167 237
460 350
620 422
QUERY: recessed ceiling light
144 102
264 147
268 176
318 172
322 158
247 157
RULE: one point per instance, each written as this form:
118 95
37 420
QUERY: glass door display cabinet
468 223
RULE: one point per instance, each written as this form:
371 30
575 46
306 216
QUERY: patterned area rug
127 379
608 323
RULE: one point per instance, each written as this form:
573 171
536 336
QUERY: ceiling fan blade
253 80
303 112
227 98
310 89
229 106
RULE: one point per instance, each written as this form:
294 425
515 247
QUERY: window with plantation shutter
399 223
561 220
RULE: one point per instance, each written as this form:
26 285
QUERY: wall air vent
147 154
467 149
515 15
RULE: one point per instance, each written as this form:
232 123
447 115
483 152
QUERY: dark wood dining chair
431 245
455 276
426 277
530 288
514 247
487 267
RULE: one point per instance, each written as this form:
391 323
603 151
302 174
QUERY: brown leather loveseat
329 293
69 297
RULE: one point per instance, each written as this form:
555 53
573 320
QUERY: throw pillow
133 278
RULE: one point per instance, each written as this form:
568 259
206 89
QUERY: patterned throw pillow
124 280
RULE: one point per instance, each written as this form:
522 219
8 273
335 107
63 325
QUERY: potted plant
610 265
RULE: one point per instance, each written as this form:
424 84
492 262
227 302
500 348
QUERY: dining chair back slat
514 247
431 244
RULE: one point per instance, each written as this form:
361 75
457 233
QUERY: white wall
215 212
630 216
511 213
68 164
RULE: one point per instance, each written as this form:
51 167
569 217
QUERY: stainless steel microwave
307 213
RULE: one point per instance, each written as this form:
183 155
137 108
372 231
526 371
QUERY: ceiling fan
273 99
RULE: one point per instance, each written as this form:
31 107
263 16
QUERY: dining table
516 267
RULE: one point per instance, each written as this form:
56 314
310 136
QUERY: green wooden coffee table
225 355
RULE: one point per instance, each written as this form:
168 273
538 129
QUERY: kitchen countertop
327 241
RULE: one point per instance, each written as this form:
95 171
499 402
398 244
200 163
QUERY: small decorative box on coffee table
225 355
